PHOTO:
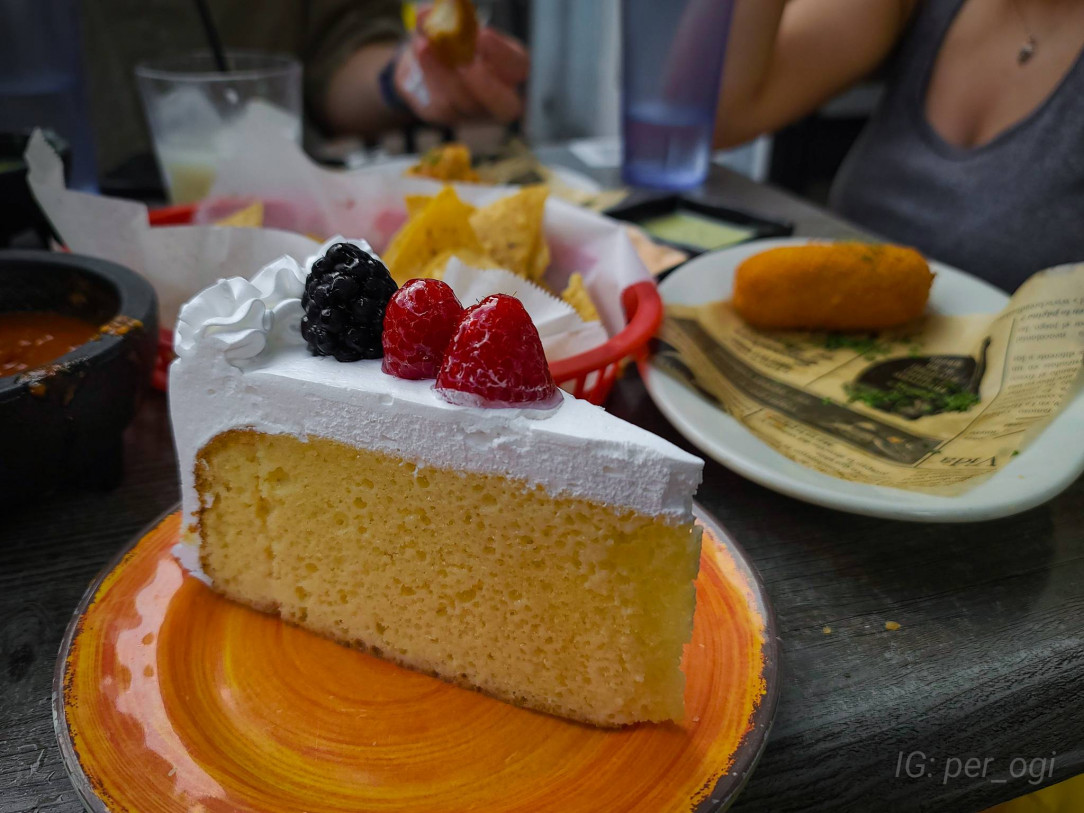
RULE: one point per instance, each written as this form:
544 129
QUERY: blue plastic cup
672 64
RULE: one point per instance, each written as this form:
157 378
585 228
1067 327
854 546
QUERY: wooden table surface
988 662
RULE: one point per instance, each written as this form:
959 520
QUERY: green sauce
695 230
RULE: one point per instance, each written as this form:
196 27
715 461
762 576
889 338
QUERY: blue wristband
388 93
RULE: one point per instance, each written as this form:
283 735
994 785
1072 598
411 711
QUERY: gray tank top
1001 211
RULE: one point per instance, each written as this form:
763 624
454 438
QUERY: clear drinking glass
672 64
191 107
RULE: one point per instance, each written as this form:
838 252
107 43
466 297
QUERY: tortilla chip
576 295
655 256
249 217
436 266
443 224
415 204
510 231
541 259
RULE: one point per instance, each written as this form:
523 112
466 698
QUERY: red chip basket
589 375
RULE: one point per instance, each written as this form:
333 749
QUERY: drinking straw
212 35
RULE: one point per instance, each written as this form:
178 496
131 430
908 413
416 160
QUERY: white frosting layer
241 318
242 364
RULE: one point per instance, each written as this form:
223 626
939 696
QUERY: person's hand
486 88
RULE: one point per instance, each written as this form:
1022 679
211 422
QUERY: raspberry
418 325
495 359
345 296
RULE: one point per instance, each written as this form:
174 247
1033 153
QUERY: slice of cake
543 553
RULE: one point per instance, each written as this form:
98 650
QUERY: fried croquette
832 286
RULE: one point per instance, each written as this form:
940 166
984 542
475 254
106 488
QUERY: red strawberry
419 321
495 359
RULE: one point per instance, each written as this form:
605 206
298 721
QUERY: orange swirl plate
170 697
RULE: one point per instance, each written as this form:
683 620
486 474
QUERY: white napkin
179 261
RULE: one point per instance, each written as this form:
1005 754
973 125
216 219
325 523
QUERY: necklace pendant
1027 51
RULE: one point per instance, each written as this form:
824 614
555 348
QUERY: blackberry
346 294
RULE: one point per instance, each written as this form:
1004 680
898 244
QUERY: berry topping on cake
419 323
346 294
495 359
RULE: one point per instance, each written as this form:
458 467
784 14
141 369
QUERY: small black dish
61 423
643 208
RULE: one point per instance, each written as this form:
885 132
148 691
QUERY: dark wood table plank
50 551
988 661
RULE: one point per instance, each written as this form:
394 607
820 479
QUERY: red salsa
29 339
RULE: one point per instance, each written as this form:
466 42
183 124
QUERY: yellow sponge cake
543 556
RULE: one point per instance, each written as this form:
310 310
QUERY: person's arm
787 58
486 88
346 43
352 44
352 102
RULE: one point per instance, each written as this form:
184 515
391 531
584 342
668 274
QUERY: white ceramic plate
1042 470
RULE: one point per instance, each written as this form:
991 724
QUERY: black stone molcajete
62 423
